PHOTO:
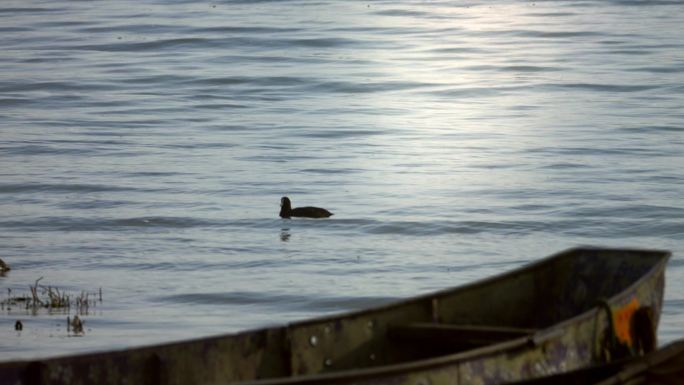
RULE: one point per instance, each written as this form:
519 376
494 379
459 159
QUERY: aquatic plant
75 325
51 297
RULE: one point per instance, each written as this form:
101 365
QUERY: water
145 147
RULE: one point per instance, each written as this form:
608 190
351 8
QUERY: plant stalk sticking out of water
34 292
56 299
51 298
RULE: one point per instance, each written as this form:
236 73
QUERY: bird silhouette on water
286 210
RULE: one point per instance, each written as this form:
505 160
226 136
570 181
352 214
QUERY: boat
577 308
661 367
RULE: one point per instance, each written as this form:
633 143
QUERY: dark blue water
145 145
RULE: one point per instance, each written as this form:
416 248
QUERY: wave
596 87
651 129
284 302
62 224
12 188
204 43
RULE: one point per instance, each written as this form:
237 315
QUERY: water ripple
61 224
294 302
605 87
11 188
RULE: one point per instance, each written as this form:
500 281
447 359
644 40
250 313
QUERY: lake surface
145 146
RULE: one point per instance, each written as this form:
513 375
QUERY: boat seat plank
466 336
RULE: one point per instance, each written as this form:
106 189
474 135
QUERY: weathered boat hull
665 366
535 321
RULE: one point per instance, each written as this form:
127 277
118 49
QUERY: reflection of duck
286 210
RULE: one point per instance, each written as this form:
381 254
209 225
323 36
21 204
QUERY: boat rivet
371 324
327 330
313 340
372 356
328 362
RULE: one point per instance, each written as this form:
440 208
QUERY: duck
286 210
4 267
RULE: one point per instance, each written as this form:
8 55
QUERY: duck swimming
286 210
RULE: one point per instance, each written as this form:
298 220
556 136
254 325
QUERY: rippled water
145 146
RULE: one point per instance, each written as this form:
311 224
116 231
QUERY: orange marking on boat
622 319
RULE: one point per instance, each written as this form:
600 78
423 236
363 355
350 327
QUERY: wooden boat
568 311
662 367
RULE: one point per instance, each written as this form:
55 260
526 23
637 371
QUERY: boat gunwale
533 265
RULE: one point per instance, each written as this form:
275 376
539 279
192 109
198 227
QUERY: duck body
286 210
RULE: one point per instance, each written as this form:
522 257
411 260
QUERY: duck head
285 207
